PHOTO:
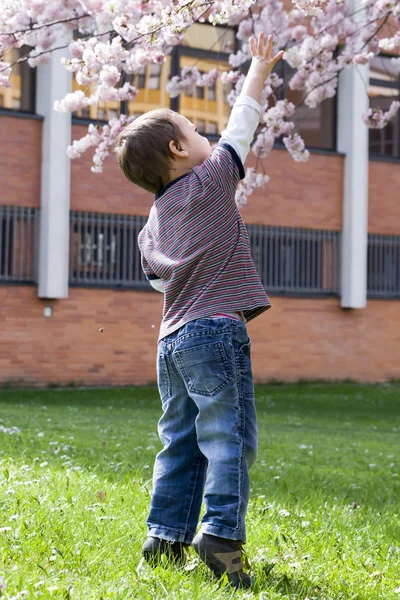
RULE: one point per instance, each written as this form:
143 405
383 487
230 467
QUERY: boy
195 248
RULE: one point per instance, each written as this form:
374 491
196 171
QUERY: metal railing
383 279
19 243
295 260
104 250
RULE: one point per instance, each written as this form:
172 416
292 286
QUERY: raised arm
245 115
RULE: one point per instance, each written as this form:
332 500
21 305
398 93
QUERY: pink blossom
230 77
242 56
245 29
264 143
295 144
147 30
309 7
78 147
109 75
363 58
390 44
298 33
208 78
377 119
72 102
249 184
5 72
186 81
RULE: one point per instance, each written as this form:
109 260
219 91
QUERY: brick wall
298 195
384 205
296 339
20 161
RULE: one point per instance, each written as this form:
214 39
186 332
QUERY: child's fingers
268 49
253 46
260 47
277 57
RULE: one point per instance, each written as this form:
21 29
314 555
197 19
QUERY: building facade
325 235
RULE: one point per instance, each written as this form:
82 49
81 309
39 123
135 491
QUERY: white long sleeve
242 124
157 284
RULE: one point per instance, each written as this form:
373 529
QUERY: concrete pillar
53 82
352 140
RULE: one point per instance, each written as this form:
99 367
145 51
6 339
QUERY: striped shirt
196 243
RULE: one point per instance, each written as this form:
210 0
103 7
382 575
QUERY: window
200 90
153 82
291 260
207 47
212 92
18 243
383 266
21 96
202 36
201 125
384 87
317 126
141 78
212 128
104 250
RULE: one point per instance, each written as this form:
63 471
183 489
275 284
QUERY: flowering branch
141 32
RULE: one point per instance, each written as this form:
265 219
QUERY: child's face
197 146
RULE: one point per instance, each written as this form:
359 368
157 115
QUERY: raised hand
261 66
261 53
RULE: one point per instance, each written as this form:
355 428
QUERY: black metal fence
383 279
295 260
104 252
19 243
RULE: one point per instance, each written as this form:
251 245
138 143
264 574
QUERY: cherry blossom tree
113 39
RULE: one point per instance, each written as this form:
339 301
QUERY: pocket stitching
167 381
228 376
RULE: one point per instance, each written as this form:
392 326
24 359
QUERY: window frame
28 83
393 85
283 70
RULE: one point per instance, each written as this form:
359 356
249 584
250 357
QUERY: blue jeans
208 429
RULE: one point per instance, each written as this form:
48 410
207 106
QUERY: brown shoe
222 556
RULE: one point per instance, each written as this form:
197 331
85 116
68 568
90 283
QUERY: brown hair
142 148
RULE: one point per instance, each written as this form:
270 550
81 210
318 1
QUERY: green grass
324 516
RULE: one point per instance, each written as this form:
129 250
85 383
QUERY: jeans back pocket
205 368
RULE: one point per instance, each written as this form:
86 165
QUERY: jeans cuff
223 532
171 535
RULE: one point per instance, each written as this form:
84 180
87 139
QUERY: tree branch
31 28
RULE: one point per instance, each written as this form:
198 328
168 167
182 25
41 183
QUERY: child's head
158 147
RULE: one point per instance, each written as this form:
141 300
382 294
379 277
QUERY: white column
53 82
353 102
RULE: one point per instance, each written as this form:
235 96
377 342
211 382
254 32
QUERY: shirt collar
170 184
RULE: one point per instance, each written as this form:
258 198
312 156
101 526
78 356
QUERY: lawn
75 482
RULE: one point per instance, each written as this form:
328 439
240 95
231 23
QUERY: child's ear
177 150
